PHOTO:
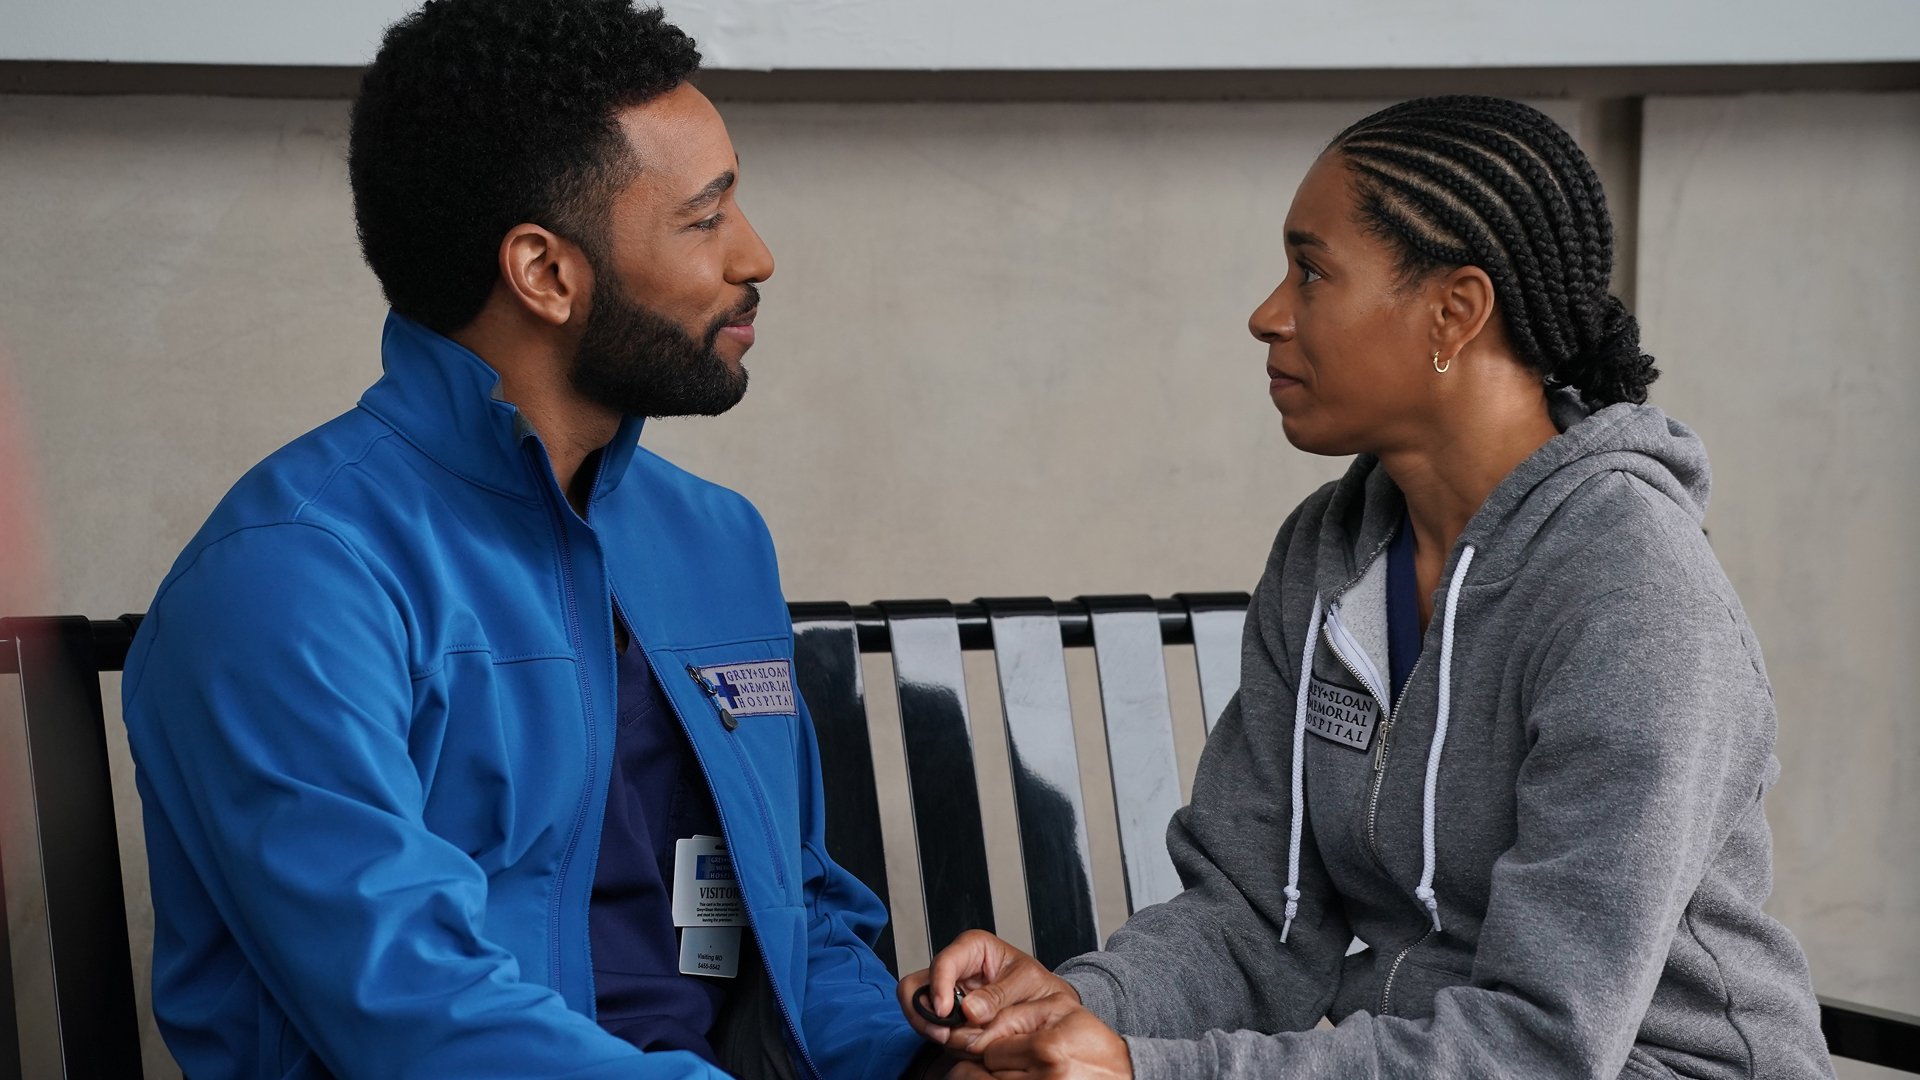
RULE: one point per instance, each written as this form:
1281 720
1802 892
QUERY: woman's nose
1272 321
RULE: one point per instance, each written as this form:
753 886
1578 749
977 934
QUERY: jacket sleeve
270 718
1651 739
1211 957
851 1019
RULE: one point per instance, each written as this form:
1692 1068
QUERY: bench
58 662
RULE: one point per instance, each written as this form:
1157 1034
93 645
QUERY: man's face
673 294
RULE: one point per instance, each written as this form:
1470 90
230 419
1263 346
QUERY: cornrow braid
1481 181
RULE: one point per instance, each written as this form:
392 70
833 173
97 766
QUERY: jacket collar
442 398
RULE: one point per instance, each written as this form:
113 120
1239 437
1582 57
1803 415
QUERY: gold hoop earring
1440 367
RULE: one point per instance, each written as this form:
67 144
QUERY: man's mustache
748 302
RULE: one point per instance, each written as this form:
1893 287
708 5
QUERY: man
466 730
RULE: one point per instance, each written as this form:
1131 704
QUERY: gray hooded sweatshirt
1552 845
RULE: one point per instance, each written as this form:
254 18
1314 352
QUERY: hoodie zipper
1392 710
1380 759
1386 992
1380 752
1391 713
1380 749
1327 630
1373 812
732 723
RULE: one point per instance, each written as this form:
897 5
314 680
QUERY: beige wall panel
1779 271
1005 349
182 293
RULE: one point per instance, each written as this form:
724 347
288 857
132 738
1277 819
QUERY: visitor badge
704 890
710 950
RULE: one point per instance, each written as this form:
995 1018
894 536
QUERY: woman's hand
1008 992
1075 1046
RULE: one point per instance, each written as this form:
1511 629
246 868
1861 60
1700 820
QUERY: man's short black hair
479 115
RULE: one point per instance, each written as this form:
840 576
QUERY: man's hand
1008 992
1075 1046
932 1063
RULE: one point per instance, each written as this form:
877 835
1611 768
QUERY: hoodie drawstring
1424 892
1304 679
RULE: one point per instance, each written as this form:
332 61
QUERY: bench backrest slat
930 681
1218 621
1130 656
79 846
1045 766
826 647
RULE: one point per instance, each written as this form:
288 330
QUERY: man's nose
752 262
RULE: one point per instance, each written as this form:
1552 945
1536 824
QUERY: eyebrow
718 187
1301 238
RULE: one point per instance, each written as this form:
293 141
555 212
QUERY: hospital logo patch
1340 715
760 688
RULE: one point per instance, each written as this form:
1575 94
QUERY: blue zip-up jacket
373 714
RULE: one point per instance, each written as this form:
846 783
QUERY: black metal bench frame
58 662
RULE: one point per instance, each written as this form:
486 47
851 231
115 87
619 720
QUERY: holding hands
1006 1017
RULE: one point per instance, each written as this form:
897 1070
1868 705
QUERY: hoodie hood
1639 440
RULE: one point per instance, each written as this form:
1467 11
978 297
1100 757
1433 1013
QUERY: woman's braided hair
1487 182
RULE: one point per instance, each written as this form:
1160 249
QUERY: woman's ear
546 274
1463 304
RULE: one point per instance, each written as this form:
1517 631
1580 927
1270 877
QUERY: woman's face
1349 348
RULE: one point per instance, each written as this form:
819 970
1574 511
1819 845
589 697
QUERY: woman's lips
1279 380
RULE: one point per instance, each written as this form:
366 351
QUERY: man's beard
638 362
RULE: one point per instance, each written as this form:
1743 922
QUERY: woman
1501 716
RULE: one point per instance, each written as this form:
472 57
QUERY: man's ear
545 273
1463 304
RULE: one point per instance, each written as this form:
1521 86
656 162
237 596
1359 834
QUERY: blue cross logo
723 684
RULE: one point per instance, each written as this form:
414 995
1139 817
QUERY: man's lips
741 328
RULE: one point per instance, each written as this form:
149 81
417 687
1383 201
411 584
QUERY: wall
1013 35
1779 262
1005 353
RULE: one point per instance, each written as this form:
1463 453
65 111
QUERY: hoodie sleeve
1211 957
1648 749
278 765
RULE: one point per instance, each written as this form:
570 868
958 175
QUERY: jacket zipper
727 719
731 723
572 601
